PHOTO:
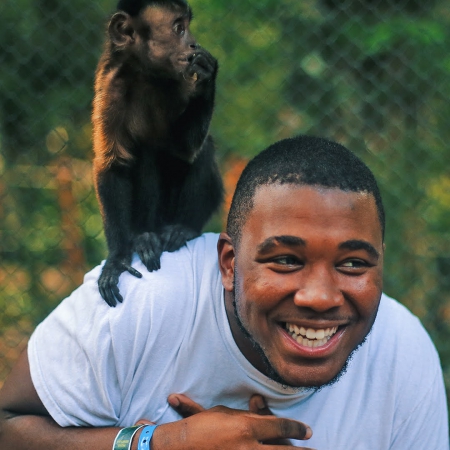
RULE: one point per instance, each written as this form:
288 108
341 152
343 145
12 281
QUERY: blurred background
370 74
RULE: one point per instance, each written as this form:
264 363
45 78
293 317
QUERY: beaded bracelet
146 437
124 437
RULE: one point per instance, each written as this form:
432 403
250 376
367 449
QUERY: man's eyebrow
356 244
270 243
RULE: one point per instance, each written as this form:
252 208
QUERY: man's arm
26 425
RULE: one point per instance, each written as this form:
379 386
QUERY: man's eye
287 261
354 264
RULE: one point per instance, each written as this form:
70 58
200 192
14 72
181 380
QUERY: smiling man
305 281
287 326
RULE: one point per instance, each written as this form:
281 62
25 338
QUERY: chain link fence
371 74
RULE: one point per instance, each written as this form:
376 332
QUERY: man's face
306 278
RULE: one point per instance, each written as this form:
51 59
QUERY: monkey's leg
147 242
114 190
200 195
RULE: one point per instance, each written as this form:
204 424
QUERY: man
291 310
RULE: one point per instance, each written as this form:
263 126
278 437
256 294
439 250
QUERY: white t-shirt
99 366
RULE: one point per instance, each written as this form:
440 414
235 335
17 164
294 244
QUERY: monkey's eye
179 29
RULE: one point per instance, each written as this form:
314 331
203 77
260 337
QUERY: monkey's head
134 7
155 34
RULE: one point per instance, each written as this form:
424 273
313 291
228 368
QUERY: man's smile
310 337
311 342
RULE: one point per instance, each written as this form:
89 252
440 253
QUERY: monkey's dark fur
155 175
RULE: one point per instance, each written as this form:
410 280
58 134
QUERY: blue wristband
146 437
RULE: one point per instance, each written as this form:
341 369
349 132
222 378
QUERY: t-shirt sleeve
427 426
420 415
71 360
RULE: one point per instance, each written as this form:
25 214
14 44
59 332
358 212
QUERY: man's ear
226 255
121 29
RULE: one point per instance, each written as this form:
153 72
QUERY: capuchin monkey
155 175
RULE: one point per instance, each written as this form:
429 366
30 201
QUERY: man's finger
269 428
258 405
184 405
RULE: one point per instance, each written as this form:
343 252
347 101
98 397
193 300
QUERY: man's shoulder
398 365
396 316
401 339
406 363
180 277
393 387
172 288
191 260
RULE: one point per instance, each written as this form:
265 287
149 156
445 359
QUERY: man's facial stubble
271 372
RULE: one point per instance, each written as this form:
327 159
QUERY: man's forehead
279 205
265 192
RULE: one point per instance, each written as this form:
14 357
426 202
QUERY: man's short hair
302 160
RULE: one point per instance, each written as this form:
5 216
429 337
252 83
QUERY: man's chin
277 377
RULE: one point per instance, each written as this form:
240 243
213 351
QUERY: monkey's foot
109 279
175 236
149 248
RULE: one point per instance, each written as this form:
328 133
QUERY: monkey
155 175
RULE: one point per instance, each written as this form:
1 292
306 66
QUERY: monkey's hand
109 279
175 236
202 68
149 248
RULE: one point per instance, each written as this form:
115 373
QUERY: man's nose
318 291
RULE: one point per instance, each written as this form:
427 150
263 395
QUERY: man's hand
225 428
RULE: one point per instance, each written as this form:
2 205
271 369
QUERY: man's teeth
310 337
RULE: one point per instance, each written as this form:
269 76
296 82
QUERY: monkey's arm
192 126
202 191
114 191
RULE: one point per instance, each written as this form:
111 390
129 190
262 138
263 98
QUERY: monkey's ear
121 30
